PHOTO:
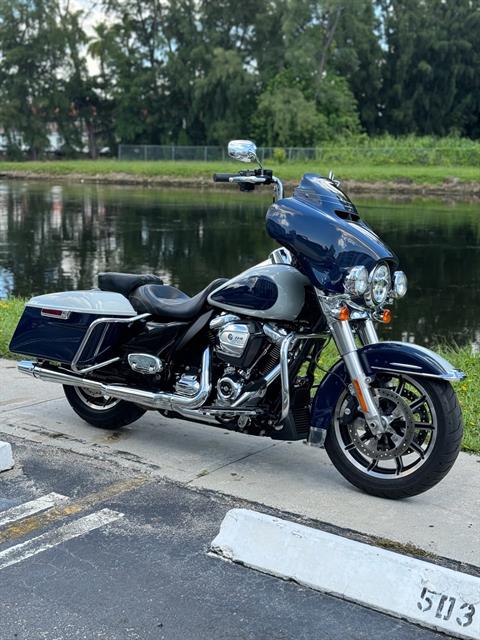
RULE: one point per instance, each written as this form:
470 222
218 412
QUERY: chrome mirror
243 150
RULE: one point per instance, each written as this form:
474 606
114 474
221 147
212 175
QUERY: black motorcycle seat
125 283
168 303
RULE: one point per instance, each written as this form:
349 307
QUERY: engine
237 342
241 354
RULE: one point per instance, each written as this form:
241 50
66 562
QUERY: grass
468 390
363 169
10 312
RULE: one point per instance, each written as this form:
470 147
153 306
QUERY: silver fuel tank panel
270 291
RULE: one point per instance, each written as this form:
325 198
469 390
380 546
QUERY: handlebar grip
222 177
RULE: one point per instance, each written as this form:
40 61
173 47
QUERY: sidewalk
287 476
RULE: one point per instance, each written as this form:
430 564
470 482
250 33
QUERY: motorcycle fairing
322 228
392 357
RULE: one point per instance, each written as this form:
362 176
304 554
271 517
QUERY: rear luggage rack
89 332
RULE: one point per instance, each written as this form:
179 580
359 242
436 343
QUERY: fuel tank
269 291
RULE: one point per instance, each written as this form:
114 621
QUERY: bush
405 150
279 155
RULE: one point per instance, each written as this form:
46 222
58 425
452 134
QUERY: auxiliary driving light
400 284
356 281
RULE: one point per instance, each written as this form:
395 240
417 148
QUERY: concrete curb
424 593
6 456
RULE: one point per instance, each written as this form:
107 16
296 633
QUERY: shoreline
404 187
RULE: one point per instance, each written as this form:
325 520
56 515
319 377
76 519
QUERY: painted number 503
446 607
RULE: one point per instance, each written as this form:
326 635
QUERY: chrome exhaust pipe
152 400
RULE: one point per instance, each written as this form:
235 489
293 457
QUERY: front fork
345 340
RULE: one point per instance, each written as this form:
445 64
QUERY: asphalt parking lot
124 555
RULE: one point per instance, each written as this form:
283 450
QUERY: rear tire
440 460
100 412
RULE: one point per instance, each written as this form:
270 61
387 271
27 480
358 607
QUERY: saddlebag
54 325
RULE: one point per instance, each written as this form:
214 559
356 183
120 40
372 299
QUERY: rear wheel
422 437
101 411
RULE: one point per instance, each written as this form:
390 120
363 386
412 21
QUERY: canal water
57 237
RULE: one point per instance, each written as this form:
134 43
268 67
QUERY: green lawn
362 171
468 390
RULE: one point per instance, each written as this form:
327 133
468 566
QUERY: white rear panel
102 303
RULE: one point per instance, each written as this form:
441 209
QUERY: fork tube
367 332
345 341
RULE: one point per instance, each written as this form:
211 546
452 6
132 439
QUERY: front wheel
101 411
423 430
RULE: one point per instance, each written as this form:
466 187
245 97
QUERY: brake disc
399 428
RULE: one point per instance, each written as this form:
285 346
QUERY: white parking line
53 538
30 508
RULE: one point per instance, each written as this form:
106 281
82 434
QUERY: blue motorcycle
244 353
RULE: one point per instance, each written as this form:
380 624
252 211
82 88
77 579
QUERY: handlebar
247 180
253 177
223 177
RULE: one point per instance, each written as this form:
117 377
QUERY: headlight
356 281
400 284
380 284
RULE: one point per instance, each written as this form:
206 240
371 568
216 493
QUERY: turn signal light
387 316
344 313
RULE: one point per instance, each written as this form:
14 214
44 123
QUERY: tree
30 58
431 83
358 59
286 118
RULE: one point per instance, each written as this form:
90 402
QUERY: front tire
423 440
101 411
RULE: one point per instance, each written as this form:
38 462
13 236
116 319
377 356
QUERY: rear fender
391 357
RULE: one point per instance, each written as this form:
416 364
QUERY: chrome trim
251 395
284 377
278 191
275 336
401 364
93 367
233 338
235 389
187 385
150 399
89 332
27 367
156 365
220 321
281 256
454 375
217 412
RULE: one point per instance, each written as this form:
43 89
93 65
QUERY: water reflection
56 237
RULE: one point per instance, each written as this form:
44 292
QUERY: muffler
152 400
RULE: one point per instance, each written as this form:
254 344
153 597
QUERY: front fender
391 357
